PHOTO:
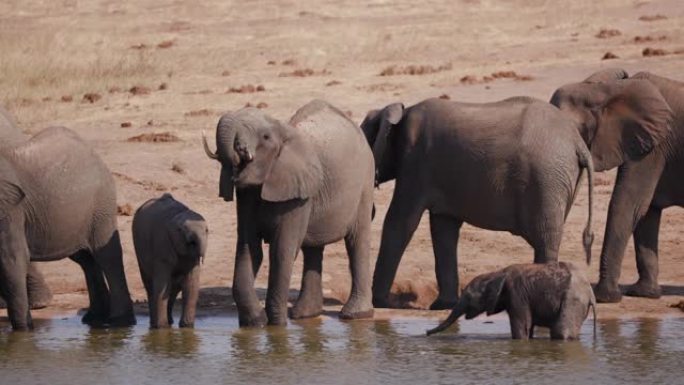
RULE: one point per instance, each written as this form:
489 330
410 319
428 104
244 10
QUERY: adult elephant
302 184
637 125
38 290
58 200
512 165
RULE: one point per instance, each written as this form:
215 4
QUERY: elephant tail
592 304
455 314
588 235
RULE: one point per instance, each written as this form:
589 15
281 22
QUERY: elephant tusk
210 154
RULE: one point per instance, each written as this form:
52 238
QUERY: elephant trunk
455 314
227 139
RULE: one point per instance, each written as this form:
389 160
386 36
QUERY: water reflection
171 343
329 351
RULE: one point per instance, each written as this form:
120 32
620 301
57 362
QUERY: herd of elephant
512 165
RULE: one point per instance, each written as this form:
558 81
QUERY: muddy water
328 351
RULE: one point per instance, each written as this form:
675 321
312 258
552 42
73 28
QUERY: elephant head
485 293
257 150
188 232
620 119
379 129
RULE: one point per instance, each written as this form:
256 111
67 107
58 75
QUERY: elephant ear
226 182
390 116
607 75
494 289
630 125
296 173
11 195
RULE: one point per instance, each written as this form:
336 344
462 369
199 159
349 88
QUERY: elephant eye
267 136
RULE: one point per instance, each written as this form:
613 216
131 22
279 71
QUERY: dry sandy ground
185 56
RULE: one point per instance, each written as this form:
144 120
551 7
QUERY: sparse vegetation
414 70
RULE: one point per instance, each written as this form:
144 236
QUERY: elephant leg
287 241
98 293
247 262
632 195
38 291
248 258
444 231
190 297
109 258
310 301
401 222
570 319
646 247
159 301
173 294
359 304
521 325
13 274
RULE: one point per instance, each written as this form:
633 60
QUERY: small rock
126 124
606 33
139 90
163 86
91 97
165 44
124 210
67 98
609 55
654 52
444 96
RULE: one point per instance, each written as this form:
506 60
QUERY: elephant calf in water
170 241
301 184
556 295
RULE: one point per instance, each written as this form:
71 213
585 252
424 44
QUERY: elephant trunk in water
457 312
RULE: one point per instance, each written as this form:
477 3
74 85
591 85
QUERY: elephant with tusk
300 185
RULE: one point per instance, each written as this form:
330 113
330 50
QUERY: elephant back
332 134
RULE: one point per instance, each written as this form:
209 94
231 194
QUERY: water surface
329 351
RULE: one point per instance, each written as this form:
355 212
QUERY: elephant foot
645 290
184 324
124 320
363 314
607 294
441 304
381 303
356 310
95 318
305 310
249 319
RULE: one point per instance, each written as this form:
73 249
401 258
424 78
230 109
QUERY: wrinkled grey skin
513 165
637 125
556 295
38 291
302 184
58 200
170 241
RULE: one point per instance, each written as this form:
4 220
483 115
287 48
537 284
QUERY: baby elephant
170 241
556 295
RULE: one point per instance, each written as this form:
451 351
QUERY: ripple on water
329 351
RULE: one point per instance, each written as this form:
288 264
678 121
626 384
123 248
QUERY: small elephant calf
556 295
170 241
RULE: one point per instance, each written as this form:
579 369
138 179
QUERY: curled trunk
455 314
